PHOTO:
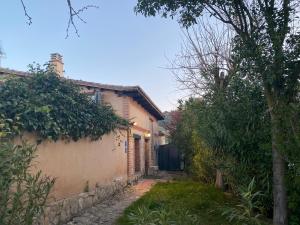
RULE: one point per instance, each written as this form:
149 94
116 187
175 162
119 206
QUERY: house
121 156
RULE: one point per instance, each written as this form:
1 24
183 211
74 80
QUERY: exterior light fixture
148 135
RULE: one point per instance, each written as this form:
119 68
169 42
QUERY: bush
203 162
54 108
249 210
22 194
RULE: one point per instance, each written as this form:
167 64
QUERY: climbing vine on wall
54 108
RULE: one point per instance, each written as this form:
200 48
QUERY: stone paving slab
107 212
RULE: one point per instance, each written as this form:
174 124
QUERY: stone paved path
108 211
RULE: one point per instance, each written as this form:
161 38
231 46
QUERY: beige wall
75 163
103 161
139 115
145 123
117 102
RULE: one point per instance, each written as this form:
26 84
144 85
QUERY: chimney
56 63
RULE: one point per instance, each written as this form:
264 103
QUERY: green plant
178 202
142 216
266 43
248 211
23 194
8 127
164 216
54 108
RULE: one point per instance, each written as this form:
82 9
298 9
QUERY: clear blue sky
115 46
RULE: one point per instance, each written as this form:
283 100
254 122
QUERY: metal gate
169 158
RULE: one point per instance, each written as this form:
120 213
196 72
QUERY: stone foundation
153 170
64 210
135 178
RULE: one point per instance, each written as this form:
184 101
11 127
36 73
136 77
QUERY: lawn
178 202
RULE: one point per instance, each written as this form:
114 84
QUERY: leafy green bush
22 194
228 131
249 210
293 184
203 162
54 108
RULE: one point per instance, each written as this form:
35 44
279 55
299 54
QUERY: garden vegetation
181 202
52 108
252 119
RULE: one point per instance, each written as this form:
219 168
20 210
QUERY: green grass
179 199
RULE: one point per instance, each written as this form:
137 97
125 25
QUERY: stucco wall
74 164
116 101
145 123
140 115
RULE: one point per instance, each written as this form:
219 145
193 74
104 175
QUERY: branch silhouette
74 14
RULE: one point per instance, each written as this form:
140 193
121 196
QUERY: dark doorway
169 158
137 155
146 155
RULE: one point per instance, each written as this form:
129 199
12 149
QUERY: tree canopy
267 48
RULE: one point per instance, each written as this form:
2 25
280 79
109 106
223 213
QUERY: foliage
146 216
213 135
267 46
22 193
8 127
203 165
178 202
170 121
54 108
293 184
249 210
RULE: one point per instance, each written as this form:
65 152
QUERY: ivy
54 108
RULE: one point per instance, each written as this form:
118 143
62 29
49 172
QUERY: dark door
169 158
137 157
146 155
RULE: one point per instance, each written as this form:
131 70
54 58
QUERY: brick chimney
57 64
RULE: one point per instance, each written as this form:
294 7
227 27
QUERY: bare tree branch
73 14
205 53
76 14
29 19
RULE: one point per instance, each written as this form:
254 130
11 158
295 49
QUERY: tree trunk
219 180
279 190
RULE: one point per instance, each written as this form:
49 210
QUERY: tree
171 119
268 41
204 67
204 63
2 54
73 14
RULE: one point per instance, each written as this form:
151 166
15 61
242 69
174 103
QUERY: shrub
22 194
54 108
248 211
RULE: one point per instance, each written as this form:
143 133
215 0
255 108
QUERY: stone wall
64 210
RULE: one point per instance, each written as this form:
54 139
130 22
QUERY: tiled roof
136 92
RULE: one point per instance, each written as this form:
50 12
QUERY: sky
115 46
